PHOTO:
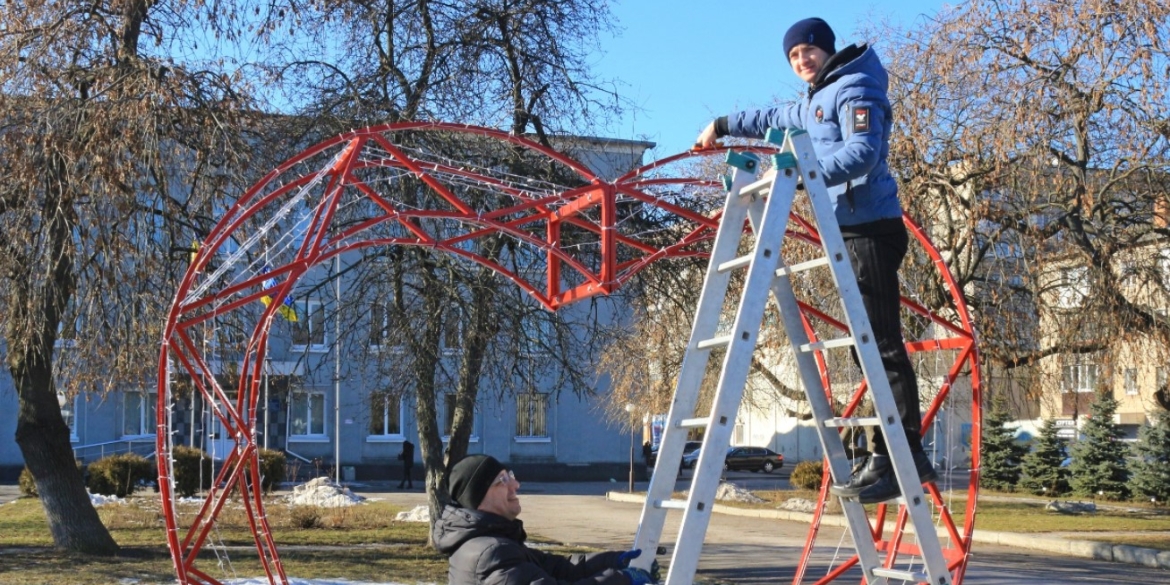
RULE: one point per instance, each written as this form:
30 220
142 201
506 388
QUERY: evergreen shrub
1150 477
273 465
119 475
1099 467
807 475
1042 473
192 470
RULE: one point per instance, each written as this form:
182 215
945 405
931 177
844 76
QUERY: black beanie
810 31
472 477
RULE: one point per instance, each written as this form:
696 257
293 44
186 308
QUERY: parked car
690 447
743 458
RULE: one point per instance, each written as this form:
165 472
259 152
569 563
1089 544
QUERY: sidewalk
794 529
764 548
1042 542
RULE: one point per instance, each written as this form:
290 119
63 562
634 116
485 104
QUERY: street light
630 409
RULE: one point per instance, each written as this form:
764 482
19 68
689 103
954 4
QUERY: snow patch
100 500
733 493
418 514
798 505
322 492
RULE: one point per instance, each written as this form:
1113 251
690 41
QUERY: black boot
886 487
865 474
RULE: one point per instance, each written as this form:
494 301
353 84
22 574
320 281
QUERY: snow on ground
100 500
730 492
324 493
417 514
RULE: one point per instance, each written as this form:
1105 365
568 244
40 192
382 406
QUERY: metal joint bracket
784 160
743 160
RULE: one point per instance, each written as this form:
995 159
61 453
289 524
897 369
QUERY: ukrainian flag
286 309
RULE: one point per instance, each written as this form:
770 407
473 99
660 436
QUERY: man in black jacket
481 534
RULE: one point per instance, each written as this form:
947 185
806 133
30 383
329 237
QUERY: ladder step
802 266
760 187
912 576
829 344
671 504
736 263
694 423
869 421
721 341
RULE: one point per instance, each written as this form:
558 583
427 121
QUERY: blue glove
625 558
638 576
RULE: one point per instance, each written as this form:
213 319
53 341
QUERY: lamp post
630 409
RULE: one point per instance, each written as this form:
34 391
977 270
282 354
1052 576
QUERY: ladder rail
770 221
691 371
857 319
767 203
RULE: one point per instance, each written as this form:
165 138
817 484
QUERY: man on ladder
847 114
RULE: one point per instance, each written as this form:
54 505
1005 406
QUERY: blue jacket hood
847 114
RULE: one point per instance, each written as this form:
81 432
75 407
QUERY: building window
532 415
1131 381
448 414
1073 287
385 415
453 329
138 413
306 414
381 326
536 332
448 417
309 330
69 413
739 434
1079 378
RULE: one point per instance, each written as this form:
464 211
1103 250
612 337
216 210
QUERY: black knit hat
472 477
810 31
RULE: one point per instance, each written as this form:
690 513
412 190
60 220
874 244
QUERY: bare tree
516 64
110 155
1032 139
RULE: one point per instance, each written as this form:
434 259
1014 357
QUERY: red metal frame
955 533
536 218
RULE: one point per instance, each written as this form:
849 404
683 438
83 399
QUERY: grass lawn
361 543
1141 524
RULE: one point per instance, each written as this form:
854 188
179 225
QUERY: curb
1118 553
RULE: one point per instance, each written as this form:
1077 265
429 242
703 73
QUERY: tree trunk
41 431
44 441
427 351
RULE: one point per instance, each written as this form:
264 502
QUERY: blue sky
684 62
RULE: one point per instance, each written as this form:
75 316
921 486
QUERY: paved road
754 551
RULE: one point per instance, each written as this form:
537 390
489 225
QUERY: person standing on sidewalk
483 537
407 458
847 113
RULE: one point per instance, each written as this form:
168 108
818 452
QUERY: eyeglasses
505 479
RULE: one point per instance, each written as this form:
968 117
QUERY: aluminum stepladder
767 203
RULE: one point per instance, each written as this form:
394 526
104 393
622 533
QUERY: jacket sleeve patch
861 119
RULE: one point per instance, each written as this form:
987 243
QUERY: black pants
876 260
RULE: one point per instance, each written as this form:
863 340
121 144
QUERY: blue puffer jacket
848 116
